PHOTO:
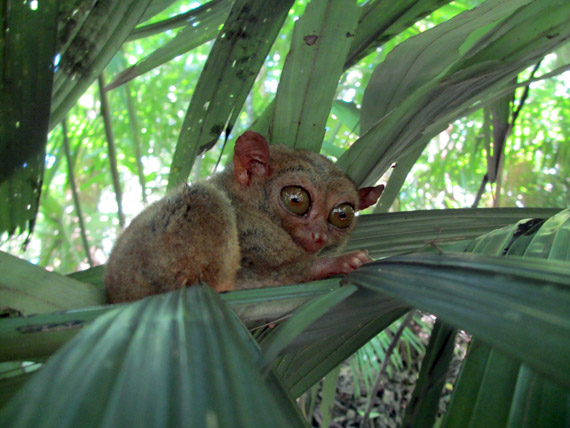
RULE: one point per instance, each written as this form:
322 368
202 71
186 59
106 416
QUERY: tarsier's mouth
312 246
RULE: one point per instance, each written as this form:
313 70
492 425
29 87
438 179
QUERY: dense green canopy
462 108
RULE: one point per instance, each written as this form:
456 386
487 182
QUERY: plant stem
136 140
74 193
106 113
393 343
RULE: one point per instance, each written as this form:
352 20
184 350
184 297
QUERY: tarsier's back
263 221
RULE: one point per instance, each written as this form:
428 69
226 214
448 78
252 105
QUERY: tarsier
265 220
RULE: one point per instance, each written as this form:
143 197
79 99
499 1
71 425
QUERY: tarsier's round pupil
295 199
341 216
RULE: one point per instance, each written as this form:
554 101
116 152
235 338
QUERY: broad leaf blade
519 306
424 404
155 7
30 289
28 43
307 315
538 403
39 336
395 233
484 389
228 75
334 337
21 196
552 241
348 113
28 40
495 242
423 96
200 28
424 59
401 170
33 338
321 40
180 359
381 20
493 388
90 39
92 275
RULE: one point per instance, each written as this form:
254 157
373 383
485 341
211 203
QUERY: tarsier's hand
354 260
329 266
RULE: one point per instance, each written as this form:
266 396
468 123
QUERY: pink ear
251 157
369 195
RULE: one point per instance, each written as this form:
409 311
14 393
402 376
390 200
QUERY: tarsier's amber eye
341 216
296 199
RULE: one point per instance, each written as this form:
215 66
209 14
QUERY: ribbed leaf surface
552 241
538 403
201 27
26 75
433 78
227 77
321 41
92 275
177 360
519 306
307 315
333 337
493 388
484 389
31 289
381 20
39 336
90 37
424 404
396 233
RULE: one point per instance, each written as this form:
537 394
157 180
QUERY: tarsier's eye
296 199
341 216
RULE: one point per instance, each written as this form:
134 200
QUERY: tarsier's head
313 199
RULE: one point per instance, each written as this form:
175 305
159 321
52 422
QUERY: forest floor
393 395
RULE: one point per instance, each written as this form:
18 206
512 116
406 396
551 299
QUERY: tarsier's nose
318 240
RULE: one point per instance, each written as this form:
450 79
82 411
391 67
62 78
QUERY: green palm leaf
31 289
89 41
200 363
395 233
228 75
26 74
517 305
202 26
435 77
178 360
494 388
26 63
321 41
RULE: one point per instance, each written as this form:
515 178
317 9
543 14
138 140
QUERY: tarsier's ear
369 195
251 157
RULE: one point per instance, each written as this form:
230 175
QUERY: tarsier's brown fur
232 231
